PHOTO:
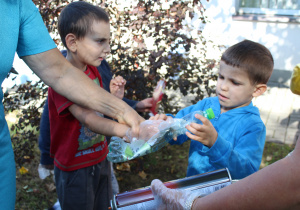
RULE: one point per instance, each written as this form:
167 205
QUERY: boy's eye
235 83
221 77
101 41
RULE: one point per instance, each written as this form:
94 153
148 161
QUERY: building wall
282 38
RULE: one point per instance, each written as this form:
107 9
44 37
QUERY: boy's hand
206 133
117 86
144 105
160 117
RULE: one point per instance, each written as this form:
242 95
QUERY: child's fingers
155 117
120 80
193 137
114 82
158 117
163 117
203 119
194 127
196 130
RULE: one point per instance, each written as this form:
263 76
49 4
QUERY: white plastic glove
167 198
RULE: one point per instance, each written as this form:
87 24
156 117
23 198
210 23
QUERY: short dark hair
252 57
77 18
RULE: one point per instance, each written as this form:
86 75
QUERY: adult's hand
132 119
167 198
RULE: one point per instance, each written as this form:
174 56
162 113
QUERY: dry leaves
23 170
143 175
50 187
123 167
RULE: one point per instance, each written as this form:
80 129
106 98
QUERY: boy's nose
224 85
107 49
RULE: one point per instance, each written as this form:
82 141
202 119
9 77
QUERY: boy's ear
259 90
71 42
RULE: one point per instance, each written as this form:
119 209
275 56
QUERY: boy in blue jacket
235 138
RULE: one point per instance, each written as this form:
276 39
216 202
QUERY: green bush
150 40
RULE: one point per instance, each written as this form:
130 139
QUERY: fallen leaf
269 158
26 157
50 187
123 167
143 175
23 170
120 179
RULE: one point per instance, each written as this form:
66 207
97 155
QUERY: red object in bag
157 95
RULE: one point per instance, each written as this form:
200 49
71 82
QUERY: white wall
282 39
25 74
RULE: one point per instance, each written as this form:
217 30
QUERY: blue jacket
240 142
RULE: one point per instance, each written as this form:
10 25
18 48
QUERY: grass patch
32 192
274 152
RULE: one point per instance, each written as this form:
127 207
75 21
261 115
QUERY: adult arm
72 83
276 186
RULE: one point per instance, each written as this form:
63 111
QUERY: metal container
142 198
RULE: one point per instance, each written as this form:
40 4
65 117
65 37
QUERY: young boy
262 190
78 142
235 137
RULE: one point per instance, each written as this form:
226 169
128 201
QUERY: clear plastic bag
44 172
154 135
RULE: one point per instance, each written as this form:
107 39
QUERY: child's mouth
222 97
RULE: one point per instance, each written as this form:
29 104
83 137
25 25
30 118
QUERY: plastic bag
157 96
154 134
44 172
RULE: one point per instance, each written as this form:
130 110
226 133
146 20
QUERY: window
268 7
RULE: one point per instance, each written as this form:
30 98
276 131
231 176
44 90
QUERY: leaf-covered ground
167 164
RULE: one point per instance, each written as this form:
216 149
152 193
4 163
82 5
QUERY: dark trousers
84 189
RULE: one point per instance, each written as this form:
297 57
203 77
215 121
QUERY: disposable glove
172 199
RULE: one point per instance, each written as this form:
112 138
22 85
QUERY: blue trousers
87 188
